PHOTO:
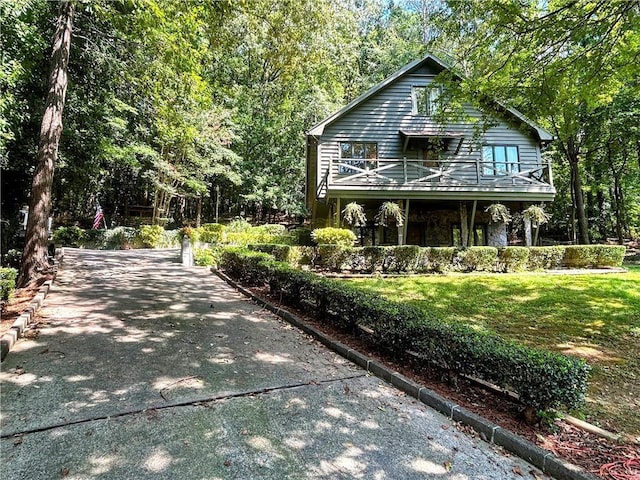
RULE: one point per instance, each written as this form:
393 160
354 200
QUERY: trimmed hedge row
7 282
542 379
411 258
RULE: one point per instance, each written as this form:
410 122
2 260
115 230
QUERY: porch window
500 159
358 154
425 100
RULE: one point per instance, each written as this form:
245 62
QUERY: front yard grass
592 316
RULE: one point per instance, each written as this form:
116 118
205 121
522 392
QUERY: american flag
98 218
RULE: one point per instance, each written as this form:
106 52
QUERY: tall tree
34 258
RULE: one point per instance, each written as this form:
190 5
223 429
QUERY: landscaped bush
301 256
282 253
482 259
13 258
240 232
333 236
69 236
94 239
191 233
170 239
542 379
211 232
440 259
207 257
374 258
513 259
150 236
404 258
545 258
610 255
332 257
7 282
120 237
580 256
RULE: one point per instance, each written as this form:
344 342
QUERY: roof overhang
430 135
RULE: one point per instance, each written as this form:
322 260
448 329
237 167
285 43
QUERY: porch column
464 225
470 241
528 240
405 226
338 213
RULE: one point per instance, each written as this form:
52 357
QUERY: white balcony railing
415 173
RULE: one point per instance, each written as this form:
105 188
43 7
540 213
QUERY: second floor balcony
438 177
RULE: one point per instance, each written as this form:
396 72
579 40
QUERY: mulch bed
603 458
18 303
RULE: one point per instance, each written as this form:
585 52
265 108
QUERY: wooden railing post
550 172
330 172
404 166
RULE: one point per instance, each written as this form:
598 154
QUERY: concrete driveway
145 369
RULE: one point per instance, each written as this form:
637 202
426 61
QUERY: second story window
500 159
425 100
358 154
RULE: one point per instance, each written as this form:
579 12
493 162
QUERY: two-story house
388 145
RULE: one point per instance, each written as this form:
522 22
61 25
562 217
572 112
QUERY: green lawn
594 316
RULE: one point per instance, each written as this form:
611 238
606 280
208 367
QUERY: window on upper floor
425 100
358 154
500 159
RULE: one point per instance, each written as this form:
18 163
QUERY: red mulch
603 458
19 302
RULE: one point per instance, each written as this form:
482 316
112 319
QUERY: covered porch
431 222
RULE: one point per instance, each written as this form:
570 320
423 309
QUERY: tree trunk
576 188
34 257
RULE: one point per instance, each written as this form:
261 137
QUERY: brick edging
16 331
490 432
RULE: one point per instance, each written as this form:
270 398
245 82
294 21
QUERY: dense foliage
7 282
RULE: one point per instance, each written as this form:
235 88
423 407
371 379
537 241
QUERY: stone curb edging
16 331
490 432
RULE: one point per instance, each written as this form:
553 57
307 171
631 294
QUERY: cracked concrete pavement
142 368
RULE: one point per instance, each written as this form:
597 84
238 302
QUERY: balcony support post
405 225
472 221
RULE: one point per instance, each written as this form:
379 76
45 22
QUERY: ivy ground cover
592 316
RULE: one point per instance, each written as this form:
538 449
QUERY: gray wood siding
380 118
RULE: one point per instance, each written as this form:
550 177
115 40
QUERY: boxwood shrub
7 282
69 236
332 257
545 258
404 258
513 259
471 259
610 255
582 256
282 253
211 232
150 236
333 236
374 258
542 379
440 259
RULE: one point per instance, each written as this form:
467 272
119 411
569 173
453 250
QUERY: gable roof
318 129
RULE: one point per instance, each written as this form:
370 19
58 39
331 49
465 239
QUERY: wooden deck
452 178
